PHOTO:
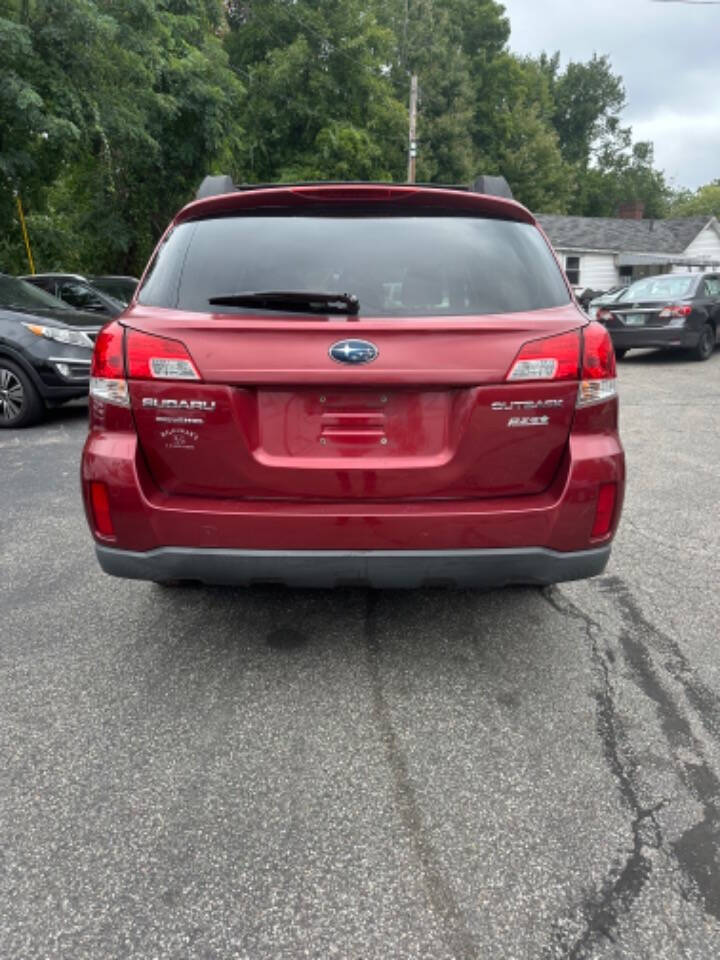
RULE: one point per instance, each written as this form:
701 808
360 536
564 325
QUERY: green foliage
622 177
429 41
587 100
609 170
320 103
531 160
131 102
514 135
112 111
705 201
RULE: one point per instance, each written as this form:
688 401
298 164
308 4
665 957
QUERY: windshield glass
396 266
120 288
20 293
659 288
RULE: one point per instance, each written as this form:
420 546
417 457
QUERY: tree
320 102
138 101
112 111
514 136
705 201
451 46
482 110
608 168
587 101
40 118
623 177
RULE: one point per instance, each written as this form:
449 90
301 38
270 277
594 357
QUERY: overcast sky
668 55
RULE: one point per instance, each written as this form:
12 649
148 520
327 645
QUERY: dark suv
353 383
45 351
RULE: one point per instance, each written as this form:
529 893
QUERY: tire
706 343
620 352
20 403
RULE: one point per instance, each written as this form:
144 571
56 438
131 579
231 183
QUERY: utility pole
412 144
405 35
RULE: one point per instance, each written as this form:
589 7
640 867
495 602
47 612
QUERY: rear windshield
660 288
396 266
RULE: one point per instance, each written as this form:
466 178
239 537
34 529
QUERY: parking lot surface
216 773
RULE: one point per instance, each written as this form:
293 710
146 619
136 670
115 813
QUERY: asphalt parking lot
215 773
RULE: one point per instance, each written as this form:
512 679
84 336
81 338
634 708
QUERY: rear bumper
629 337
542 538
560 519
374 568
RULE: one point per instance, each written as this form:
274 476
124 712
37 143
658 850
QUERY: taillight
107 370
553 358
100 504
604 510
158 358
597 381
676 310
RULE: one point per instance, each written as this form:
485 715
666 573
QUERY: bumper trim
373 568
646 337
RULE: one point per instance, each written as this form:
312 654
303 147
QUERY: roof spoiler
215 184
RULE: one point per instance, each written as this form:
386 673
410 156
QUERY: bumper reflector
101 509
605 510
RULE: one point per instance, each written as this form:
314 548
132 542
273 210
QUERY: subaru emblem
353 351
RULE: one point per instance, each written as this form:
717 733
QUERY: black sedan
45 352
668 310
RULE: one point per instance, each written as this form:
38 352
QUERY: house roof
610 233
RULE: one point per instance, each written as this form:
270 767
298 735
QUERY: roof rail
494 186
213 185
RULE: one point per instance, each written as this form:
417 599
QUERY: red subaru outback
353 384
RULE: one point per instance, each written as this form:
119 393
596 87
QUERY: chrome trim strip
639 310
79 360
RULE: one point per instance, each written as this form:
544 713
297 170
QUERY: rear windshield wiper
301 301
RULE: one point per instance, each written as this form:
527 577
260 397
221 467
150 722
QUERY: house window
626 274
572 269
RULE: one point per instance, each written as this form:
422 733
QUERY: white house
603 252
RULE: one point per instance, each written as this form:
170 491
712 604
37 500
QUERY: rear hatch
446 304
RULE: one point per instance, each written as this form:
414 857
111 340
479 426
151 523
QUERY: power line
283 42
250 79
347 56
329 45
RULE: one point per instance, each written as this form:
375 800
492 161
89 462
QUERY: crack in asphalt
620 892
440 895
602 910
695 852
705 701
